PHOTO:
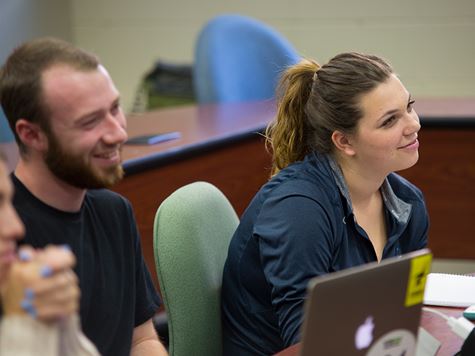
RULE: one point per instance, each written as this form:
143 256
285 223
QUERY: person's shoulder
20 189
301 179
404 189
109 206
106 197
104 194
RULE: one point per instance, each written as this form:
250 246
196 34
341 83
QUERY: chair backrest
238 58
6 134
192 230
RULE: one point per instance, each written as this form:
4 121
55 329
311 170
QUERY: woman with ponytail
333 201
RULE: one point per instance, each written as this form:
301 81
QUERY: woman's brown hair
315 101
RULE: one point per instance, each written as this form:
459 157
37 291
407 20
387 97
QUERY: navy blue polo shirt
298 226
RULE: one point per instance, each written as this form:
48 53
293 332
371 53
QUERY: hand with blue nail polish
42 284
38 290
46 271
24 254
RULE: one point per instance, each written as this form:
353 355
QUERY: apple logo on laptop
364 334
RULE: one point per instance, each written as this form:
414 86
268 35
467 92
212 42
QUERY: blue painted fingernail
29 293
29 308
66 247
26 304
32 312
24 255
46 271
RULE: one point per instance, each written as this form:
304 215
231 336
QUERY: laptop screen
373 309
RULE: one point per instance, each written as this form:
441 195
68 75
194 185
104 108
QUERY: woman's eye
389 121
410 105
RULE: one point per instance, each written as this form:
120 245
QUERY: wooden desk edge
135 165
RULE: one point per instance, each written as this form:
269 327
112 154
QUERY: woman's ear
31 135
343 143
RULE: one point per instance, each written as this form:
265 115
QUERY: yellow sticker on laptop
420 268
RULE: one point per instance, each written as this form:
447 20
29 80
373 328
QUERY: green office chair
192 230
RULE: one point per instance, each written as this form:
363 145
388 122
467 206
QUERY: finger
56 258
58 281
60 300
26 291
53 312
26 253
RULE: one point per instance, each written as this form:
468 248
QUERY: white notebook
451 290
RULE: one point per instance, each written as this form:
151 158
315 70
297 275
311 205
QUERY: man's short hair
21 93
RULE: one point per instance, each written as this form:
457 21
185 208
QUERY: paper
427 345
451 290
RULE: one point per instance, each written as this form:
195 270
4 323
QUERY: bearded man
65 113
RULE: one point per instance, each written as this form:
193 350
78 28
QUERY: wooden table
434 324
222 144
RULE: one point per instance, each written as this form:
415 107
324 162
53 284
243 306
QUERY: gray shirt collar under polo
397 207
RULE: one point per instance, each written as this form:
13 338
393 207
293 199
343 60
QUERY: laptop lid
373 309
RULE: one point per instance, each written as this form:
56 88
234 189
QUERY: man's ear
31 135
343 143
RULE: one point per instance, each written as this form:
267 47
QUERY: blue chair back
238 58
6 134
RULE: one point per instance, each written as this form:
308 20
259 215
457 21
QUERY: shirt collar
398 208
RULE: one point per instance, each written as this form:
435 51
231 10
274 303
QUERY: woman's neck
363 183
367 202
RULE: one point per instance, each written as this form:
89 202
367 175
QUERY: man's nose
116 133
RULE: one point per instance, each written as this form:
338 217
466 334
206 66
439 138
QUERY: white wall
431 43
21 20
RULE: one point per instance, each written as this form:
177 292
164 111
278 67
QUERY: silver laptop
371 310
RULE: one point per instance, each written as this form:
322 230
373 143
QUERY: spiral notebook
449 290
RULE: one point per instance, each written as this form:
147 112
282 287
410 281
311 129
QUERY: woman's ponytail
286 135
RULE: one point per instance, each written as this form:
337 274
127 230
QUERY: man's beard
74 170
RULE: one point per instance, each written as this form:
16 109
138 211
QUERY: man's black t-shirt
117 293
